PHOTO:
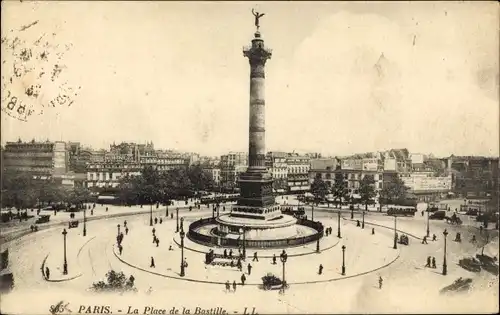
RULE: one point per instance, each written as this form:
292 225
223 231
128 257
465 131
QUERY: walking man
373 231
320 271
157 242
424 240
274 259
47 273
152 262
255 258
249 269
428 262
234 286
126 231
120 248
228 286
434 262
243 279
434 237
380 280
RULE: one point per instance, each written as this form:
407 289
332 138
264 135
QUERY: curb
256 284
264 256
67 279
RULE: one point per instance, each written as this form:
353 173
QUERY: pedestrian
126 230
428 262
225 253
157 242
380 280
373 231
255 258
230 253
320 269
154 231
434 237
154 239
152 262
274 259
422 212
473 240
424 240
92 212
223 208
120 248
170 247
434 262
47 273
171 215
228 286
249 269
234 286
357 223
243 279
125 223
106 209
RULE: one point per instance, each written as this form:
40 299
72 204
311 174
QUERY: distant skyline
344 78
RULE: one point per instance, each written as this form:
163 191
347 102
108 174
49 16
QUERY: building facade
426 186
298 168
276 164
231 166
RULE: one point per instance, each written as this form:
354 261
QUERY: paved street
95 254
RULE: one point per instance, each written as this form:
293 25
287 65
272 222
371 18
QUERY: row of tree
21 190
152 186
393 191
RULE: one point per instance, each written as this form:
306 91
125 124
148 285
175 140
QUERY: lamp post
312 213
363 221
343 260
242 231
118 226
218 206
151 213
65 263
428 232
85 220
352 207
395 235
445 266
182 224
338 225
166 211
317 245
177 219
283 258
182 253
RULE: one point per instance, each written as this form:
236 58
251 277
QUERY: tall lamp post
65 263
317 244
343 260
242 231
428 213
352 207
177 219
85 220
445 266
338 225
395 235
182 224
283 258
363 222
182 234
312 213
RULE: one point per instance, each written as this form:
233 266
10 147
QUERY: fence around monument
226 242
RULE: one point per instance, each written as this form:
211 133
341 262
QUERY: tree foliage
339 188
319 188
367 190
115 282
393 191
151 186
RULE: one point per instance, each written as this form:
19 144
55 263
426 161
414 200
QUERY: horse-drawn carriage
73 224
403 239
470 264
271 282
459 285
454 219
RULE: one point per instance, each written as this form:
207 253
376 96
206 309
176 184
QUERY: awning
106 198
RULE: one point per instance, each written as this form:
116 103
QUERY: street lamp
352 207
242 231
343 260
177 219
182 253
363 222
283 258
218 206
338 225
428 232
85 221
395 235
65 264
312 213
317 244
182 224
151 213
445 267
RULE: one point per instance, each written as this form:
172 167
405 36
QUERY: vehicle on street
402 211
73 224
460 285
44 218
438 215
271 282
470 264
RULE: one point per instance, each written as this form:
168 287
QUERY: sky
343 78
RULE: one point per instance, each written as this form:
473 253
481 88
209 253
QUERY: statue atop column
257 17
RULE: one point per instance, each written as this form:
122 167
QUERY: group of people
431 262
